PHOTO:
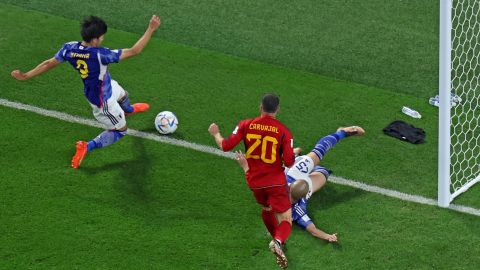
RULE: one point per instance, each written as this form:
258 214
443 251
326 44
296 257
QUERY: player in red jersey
268 147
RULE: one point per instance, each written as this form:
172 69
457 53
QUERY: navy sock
105 138
327 142
125 104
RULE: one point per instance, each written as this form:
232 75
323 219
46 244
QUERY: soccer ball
166 122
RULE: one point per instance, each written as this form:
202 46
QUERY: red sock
283 231
270 221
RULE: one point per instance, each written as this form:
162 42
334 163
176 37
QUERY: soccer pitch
143 205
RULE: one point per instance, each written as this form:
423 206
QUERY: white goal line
215 151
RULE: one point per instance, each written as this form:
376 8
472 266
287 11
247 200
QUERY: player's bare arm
41 68
143 41
240 157
313 230
215 132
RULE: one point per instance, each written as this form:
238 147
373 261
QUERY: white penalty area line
215 151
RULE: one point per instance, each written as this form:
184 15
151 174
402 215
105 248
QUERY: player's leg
106 138
326 143
270 220
279 200
282 232
113 118
319 177
123 99
268 216
284 227
318 181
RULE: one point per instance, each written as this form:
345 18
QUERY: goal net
459 134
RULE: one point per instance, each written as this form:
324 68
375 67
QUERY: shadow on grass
132 180
332 195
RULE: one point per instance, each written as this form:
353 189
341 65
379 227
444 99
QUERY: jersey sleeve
60 55
108 56
287 149
304 221
235 138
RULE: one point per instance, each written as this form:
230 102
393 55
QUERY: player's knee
314 155
285 216
326 172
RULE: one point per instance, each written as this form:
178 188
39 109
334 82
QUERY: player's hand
154 23
332 238
353 130
213 129
240 157
17 74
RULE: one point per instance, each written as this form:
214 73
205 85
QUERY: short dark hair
270 103
92 27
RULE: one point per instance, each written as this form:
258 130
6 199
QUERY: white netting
465 117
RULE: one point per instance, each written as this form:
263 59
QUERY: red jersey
268 146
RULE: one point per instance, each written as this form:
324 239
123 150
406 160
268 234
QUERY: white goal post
459 74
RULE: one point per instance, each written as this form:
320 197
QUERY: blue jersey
92 66
299 209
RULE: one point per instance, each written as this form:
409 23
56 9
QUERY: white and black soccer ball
166 122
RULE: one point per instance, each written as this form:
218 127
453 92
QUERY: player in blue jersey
109 101
306 177
298 194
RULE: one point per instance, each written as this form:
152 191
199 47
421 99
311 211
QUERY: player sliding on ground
306 177
268 145
109 101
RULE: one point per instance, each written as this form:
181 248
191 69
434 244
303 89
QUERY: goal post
444 111
459 74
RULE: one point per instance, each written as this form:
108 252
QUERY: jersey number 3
264 142
82 68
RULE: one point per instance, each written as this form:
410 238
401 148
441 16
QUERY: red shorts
277 197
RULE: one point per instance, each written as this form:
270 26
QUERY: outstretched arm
215 132
143 41
41 68
227 144
321 234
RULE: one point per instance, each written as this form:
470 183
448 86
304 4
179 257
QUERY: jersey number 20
264 143
83 68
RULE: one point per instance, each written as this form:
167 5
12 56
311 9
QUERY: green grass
140 204
390 45
143 205
135 205
189 81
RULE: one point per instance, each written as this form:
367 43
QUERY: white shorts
301 170
111 114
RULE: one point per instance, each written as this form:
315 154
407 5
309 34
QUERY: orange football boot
80 154
139 107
